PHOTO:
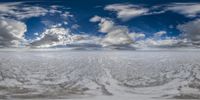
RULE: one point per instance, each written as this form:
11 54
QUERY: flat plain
100 75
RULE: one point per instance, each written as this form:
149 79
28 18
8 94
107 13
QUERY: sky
115 24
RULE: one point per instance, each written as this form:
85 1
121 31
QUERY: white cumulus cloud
51 37
117 35
59 36
11 32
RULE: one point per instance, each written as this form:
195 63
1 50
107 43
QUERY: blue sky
124 23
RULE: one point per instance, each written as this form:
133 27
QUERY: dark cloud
191 31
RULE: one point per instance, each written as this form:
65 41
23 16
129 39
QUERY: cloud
54 10
191 31
151 42
8 7
95 19
120 36
116 35
21 11
28 12
75 26
61 10
85 42
66 14
160 33
51 37
157 42
127 11
12 32
187 9
58 36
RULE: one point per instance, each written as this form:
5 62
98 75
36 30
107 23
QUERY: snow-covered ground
100 75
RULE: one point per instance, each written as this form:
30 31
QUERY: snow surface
100 75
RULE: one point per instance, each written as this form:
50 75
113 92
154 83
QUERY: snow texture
100 75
